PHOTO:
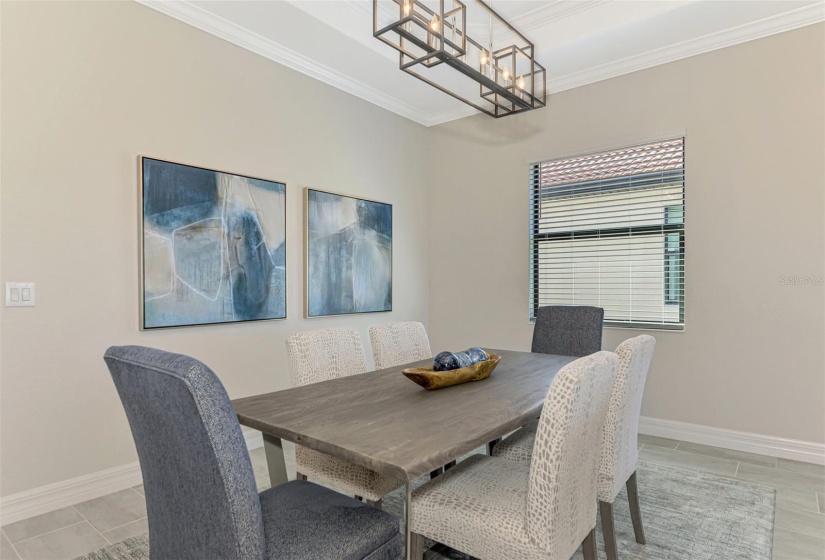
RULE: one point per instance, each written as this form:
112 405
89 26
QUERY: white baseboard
784 448
69 492
44 499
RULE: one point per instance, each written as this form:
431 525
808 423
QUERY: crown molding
552 11
794 19
451 115
547 13
185 11
204 20
360 5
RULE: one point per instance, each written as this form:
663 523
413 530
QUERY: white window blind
608 230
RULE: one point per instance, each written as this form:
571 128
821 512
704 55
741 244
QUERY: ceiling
579 41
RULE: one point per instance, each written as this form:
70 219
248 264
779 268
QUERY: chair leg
609 531
635 510
491 445
416 546
589 546
375 503
300 476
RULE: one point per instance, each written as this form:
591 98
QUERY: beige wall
86 87
751 357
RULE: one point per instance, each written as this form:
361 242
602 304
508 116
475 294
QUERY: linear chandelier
496 74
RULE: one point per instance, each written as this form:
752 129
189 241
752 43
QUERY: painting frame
307 254
142 265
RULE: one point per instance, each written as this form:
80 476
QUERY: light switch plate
19 294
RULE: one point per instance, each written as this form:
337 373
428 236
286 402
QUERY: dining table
383 421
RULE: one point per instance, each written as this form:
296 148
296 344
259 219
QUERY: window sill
638 326
644 327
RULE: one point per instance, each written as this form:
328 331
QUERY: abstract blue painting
214 246
349 255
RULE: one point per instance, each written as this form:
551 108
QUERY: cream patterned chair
318 356
493 509
394 344
617 467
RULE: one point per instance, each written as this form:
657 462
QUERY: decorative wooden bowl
430 379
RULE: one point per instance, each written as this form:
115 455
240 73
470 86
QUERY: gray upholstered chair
568 330
394 344
488 507
201 497
316 356
617 467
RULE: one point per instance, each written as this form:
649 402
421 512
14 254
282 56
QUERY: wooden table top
385 422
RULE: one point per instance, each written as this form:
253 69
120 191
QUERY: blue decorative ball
464 359
446 361
477 354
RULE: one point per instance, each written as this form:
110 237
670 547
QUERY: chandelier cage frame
426 38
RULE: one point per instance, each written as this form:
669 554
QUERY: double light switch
19 294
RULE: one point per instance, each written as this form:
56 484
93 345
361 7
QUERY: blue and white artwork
214 246
349 255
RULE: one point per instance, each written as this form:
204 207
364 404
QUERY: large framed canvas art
213 246
348 254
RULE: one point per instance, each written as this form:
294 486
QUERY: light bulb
483 58
407 7
520 82
506 73
434 23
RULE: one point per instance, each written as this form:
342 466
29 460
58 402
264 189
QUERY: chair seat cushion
343 476
518 446
478 507
305 521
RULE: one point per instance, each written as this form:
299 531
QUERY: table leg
407 523
274 449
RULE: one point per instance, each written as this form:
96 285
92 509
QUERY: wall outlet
19 294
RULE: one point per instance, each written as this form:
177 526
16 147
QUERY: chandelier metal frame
426 38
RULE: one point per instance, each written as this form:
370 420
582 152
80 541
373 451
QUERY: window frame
678 252
667 228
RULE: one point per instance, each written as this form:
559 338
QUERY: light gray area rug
687 516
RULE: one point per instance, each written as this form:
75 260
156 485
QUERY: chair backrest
561 499
569 330
201 497
394 344
324 354
620 440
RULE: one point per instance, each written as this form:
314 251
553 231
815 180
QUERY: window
608 230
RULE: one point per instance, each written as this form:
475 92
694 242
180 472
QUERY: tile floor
799 525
